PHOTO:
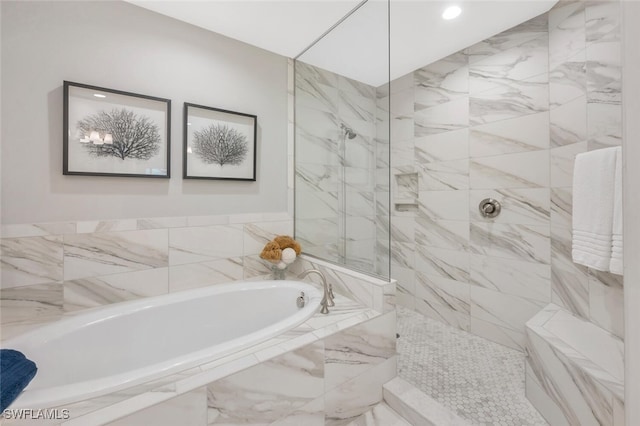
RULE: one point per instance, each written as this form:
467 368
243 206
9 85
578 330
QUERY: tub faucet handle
300 300
330 296
326 299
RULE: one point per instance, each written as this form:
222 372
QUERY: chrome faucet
327 298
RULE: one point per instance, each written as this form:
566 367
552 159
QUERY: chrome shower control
489 207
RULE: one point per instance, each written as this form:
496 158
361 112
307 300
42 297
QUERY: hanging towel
593 194
16 371
615 265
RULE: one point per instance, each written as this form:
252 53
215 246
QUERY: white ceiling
358 47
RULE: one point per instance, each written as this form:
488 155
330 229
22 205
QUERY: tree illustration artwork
133 136
220 144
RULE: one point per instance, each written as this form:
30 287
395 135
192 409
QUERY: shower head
348 131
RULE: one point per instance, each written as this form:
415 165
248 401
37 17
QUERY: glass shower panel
342 143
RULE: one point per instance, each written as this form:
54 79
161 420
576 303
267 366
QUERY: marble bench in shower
574 370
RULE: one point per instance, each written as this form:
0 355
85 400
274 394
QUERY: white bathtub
118 346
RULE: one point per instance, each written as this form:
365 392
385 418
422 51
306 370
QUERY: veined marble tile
402 254
357 396
31 260
562 207
447 234
445 146
523 170
318 132
402 127
189 409
40 301
606 301
287 382
356 106
316 88
521 62
256 268
604 125
359 179
316 177
521 242
529 280
106 225
567 34
604 72
200 244
443 313
37 229
443 117
441 81
451 264
402 229
195 275
448 205
502 309
360 204
311 414
256 235
361 254
406 285
442 291
602 21
380 415
496 333
98 291
524 206
509 99
314 74
400 103
562 161
162 222
520 134
402 153
316 205
529 30
444 176
568 80
383 155
353 86
569 123
316 231
582 400
569 281
357 349
360 228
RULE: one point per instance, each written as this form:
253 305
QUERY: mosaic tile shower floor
481 381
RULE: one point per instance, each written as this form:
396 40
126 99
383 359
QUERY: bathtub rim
39 398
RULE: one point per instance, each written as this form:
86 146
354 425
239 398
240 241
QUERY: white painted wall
121 46
631 197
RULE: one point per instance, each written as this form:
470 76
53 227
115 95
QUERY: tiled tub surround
52 268
574 370
504 119
329 370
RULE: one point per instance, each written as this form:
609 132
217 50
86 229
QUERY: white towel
593 188
615 265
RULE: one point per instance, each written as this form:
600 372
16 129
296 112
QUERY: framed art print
114 133
219 144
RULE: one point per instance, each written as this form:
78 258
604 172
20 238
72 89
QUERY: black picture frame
203 155
139 145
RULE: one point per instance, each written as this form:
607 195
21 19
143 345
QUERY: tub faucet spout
327 298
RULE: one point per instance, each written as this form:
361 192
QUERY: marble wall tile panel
356 106
509 99
569 123
503 335
524 206
443 117
562 161
569 281
448 205
357 396
406 286
256 235
529 280
567 33
568 80
604 70
446 234
202 274
201 244
402 254
31 303
519 242
90 292
269 391
37 229
316 177
316 231
523 170
443 314
520 134
444 175
91 226
189 409
602 21
256 268
442 291
161 223
449 264
402 229
360 204
441 81
316 205
604 125
440 147
561 207
541 401
350 85
606 301
31 260
311 414
357 349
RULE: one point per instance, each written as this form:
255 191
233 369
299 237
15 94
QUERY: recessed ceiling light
98 95
451 12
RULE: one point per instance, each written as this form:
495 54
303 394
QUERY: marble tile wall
49 269
324 101
504 119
